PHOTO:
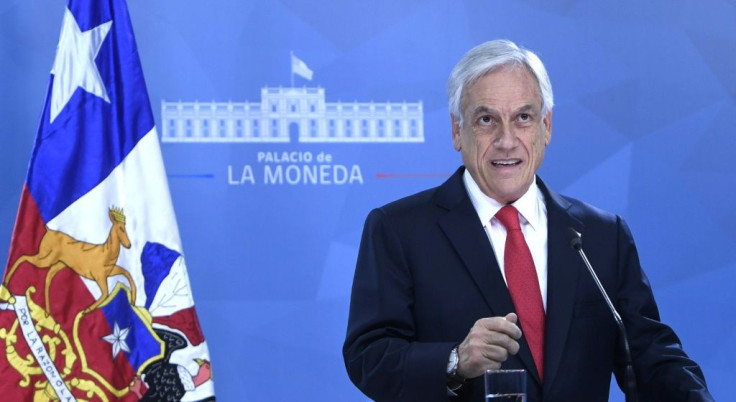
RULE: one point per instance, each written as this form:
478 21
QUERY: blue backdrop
644 126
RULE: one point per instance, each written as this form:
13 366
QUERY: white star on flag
74 65
117 339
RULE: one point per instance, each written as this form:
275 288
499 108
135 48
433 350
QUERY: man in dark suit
444 290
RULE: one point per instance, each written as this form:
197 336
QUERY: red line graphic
410 175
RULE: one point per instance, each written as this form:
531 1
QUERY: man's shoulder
425 206
411 204
444 196
582 210
589 215
586 210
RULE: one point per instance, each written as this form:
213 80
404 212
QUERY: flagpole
291 66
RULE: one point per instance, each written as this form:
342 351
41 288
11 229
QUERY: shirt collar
530 205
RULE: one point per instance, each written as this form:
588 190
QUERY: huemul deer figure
92 261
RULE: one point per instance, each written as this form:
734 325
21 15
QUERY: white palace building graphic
292 114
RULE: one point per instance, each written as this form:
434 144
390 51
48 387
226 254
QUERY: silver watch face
452 363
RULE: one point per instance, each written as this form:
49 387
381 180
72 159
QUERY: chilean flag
96 303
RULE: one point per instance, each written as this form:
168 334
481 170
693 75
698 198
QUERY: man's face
504 134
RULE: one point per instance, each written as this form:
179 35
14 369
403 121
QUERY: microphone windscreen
576 240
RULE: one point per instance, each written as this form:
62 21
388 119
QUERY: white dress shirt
533 221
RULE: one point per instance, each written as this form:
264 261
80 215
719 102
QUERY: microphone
576 242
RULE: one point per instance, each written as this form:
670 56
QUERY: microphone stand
576 242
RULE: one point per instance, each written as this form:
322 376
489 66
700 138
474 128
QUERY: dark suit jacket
426 272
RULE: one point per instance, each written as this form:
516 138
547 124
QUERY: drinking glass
505 385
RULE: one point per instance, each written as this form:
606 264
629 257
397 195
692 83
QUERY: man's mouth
506 163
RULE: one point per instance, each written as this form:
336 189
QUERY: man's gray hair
485 58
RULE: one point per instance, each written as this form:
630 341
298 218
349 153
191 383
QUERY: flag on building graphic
300 68
95 303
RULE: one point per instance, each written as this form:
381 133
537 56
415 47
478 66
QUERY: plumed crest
117 214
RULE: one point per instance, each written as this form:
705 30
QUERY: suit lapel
563 269
463 229
467 236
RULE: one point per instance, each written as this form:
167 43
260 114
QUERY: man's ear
455 133
547 128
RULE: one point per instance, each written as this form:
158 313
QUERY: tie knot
509 217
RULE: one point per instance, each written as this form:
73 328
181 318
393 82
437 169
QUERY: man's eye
485 120
525 117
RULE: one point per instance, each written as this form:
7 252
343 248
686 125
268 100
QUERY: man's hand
487 345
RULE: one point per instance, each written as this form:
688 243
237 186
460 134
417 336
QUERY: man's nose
506 138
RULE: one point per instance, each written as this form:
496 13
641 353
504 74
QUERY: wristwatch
454 380
452 364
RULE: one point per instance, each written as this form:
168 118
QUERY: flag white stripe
139 186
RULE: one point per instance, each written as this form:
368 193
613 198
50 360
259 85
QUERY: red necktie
521 278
